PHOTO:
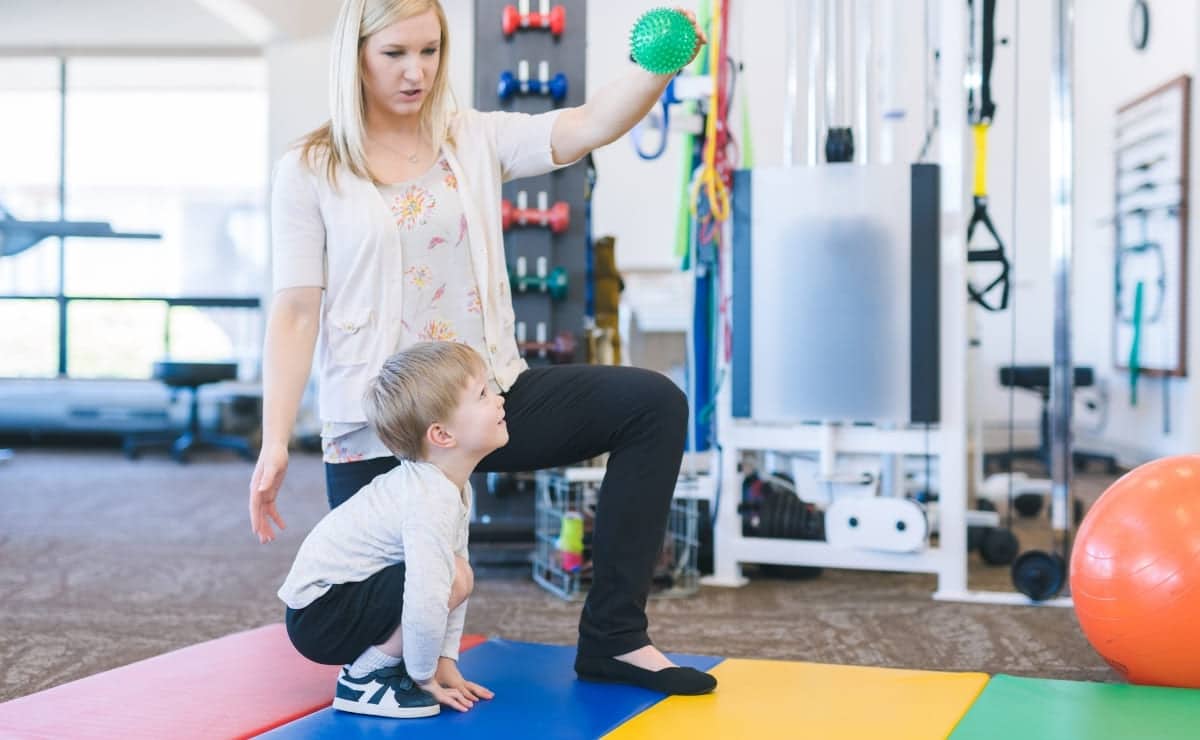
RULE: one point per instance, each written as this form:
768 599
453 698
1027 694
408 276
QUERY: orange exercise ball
1135 573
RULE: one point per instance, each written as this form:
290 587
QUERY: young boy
381 583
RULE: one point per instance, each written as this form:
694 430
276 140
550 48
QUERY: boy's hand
452 698
447 675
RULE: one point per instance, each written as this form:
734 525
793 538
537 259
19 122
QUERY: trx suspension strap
981 110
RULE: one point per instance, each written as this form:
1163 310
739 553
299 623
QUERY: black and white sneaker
387 692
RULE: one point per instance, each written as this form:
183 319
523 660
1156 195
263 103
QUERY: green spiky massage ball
662 41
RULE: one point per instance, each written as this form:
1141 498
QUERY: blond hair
415 388
340 141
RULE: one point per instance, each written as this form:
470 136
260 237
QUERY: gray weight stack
495 53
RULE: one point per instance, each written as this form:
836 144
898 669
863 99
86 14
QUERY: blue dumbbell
520 83
508 85
556 87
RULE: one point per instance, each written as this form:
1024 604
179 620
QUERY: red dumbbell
559 350
513 18
556 217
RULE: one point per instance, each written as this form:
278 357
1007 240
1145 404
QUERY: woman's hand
701 39
612 110
264 489
448 677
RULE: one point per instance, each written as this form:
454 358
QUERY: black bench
1036 378
189 376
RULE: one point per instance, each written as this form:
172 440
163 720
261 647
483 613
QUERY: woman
386 230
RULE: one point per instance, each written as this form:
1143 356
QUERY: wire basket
564 513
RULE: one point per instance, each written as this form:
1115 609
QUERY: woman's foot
648 657
648 668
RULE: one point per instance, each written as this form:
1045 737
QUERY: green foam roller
570 537
662 41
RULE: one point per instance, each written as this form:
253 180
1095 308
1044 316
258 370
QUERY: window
29 164
170 147
29 340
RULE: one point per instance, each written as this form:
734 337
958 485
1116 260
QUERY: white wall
635 201
298 70
1108 72
1111 73
298 85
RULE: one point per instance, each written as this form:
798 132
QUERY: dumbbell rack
506 513
495 53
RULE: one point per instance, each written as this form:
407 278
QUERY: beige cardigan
345 242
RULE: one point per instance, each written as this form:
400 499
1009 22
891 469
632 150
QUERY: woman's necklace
412 158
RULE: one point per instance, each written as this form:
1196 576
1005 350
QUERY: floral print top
440 294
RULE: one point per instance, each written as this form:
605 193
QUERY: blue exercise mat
537 695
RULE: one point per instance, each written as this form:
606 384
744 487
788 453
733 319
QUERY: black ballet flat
686 681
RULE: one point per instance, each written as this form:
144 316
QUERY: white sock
372 659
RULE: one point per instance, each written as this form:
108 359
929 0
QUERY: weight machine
836 443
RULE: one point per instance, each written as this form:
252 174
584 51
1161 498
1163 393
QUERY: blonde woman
386 231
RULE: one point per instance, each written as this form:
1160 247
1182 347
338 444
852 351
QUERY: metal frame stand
948 441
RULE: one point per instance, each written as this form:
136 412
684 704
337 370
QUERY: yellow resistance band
710 179
981 148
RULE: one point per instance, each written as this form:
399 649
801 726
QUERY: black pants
566 414
349 618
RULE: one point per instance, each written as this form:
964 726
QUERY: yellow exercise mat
775 699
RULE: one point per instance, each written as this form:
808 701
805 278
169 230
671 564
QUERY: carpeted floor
105 561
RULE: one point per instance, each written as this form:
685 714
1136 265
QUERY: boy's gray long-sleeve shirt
414 514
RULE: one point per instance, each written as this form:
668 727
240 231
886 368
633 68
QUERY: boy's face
478 420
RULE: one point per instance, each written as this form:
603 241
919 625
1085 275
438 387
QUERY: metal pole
975 60
816 64
833 66
864 12
1061 183
793 63
886 68
951 435
62 215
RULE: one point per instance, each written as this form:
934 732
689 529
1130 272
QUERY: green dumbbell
553 282
663 41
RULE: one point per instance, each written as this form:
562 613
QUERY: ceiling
42 25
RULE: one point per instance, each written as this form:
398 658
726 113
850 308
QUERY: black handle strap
996 254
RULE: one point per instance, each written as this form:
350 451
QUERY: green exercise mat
1013 708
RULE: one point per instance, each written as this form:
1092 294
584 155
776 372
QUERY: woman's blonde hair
340 141
417 387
